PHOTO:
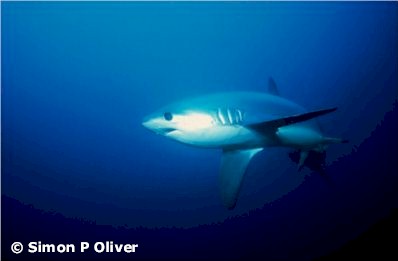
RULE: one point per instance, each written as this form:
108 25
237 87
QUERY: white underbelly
300 136
224 136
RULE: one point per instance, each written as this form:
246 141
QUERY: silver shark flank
241 124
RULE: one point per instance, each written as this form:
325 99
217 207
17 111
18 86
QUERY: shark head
181 124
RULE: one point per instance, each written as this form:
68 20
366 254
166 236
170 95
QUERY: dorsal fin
272 88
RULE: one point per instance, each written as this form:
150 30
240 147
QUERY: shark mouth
165 131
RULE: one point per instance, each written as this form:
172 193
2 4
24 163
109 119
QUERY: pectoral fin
233 168
280 122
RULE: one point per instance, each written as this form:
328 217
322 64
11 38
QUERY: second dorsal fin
272 88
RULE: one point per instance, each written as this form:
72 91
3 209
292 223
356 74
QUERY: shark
242 124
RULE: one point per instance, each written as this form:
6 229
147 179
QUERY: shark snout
157 127
147 124
150 125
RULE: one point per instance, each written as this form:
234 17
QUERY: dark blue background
77 78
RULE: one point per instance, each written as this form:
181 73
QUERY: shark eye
168 116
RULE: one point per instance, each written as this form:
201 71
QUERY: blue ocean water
77 79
